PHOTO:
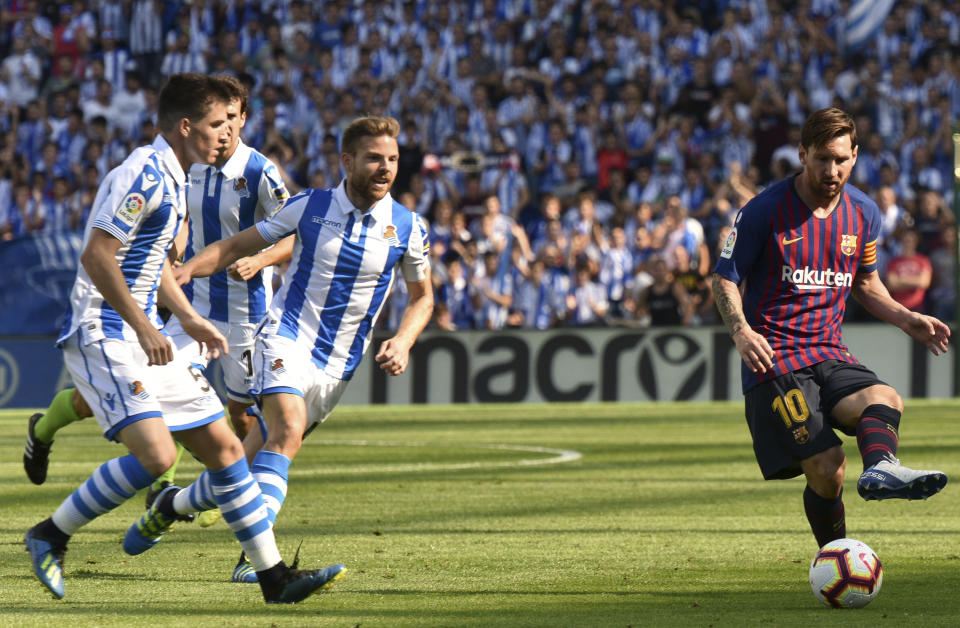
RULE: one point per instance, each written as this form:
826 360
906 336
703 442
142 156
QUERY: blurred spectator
909 273
663 302
492 292
21 72
587 300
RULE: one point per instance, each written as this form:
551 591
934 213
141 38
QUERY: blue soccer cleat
152 525
244 572
889 479
47 559
298 585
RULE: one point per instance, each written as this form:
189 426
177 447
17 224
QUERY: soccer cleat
244 572
153 493
297 585
47 559
36 454
889 479
207 518
152 525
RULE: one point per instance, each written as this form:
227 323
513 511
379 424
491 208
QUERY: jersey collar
237 162
169 160
380 212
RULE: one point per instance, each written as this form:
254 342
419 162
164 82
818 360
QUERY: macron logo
326 222
807 278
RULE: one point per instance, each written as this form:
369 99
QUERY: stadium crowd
575 162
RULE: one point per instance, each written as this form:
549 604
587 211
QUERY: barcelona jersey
799 270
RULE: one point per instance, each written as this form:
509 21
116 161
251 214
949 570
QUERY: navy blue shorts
789 416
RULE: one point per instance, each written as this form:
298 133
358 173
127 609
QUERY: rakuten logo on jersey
807 278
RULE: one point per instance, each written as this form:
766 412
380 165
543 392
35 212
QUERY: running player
349 242
140 387
803 246
240 188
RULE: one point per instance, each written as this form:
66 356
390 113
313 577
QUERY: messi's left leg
872 410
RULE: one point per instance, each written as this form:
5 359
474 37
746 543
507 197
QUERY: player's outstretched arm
246 267
99 259
873 295
171 296
752 347
221 254
394 353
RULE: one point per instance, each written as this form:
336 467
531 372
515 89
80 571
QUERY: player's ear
346 160
183 127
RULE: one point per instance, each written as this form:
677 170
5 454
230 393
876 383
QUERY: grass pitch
485 516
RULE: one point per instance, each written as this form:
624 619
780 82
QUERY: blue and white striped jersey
140 203
221 203
342 269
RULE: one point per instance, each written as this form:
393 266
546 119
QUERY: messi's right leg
791 436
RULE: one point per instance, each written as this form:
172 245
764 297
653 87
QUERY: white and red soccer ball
846 574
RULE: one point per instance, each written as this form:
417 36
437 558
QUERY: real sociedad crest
848 244
240 187
390 235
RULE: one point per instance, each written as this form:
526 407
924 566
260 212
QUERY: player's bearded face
372 169
827 168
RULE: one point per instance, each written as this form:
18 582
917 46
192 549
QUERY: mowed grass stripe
664 521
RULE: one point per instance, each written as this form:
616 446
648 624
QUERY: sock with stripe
271 469
169 474
237 494
113 483
826 516
60 414
877 434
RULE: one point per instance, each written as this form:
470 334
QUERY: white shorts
237 365
114 379
283 366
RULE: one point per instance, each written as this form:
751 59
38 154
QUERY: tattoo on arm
730 308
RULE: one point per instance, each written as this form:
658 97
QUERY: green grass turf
664 521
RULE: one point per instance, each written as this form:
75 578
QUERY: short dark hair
237 88
368 126
188 95
825 125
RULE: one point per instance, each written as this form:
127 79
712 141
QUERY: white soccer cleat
889 479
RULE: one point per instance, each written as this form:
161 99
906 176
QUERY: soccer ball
846 574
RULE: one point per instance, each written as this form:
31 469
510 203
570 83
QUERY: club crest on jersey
390 235
277 366
240 187
130 207
848 244
801 435
137 390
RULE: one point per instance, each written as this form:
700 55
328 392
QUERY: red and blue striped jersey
799 271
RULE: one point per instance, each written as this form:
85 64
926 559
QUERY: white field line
557 456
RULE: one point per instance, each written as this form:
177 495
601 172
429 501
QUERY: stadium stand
557 149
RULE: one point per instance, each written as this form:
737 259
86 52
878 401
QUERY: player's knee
160 462
80 404
887 396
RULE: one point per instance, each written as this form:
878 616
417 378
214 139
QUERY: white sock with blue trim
113 483
271 470
239 498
